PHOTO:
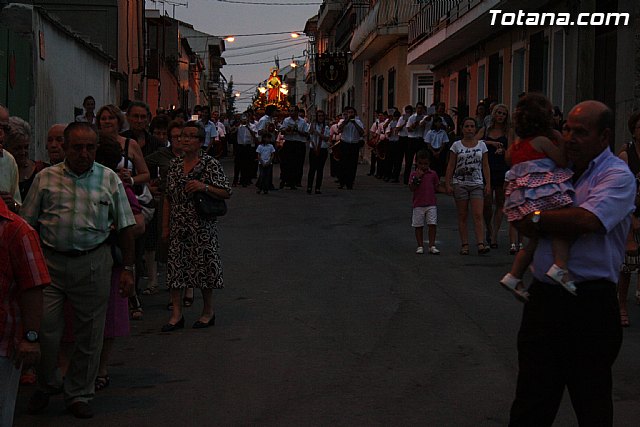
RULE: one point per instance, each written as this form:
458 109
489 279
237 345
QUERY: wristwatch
130 268
31 336
535 219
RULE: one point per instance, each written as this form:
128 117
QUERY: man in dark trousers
566 340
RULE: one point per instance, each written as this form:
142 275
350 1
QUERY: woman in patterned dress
194 259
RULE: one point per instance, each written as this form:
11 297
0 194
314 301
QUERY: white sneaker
434 251
559 276
420 250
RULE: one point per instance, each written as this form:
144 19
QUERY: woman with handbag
194 259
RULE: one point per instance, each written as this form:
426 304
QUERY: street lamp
230 39
295 35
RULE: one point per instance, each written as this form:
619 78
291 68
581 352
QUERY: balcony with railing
329 13
385 24
442 28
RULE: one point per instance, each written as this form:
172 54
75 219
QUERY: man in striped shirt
75 205
24 275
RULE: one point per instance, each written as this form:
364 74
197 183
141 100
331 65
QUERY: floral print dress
194 257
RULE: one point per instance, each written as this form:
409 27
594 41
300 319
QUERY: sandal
559 276
515 286
483 249
102 382
151 290
464 249
624 319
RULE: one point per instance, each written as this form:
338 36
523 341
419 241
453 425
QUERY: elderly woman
194 259
17 143
631 155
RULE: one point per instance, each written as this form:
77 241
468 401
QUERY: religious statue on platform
273 85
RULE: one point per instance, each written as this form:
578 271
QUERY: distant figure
89 105
423 183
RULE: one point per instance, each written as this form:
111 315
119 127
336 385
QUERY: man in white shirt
210 130
296 133
244 152
351 129
403 144
377 134
415 127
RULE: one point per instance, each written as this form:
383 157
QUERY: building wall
130 55
56 94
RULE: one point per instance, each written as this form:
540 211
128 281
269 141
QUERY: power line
263 62
266 4
287 40
202 36
263 51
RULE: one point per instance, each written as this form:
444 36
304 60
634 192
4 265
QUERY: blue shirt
607 190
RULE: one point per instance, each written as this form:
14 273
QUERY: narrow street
330 318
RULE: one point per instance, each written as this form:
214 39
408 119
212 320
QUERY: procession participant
351 131
295 133
416 124
221 139
568 341
9 175
24 275
393 152
244 152
318 150
403 147
138 116
334 138
376 134
74 205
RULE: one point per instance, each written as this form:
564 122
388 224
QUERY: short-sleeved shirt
314 138
350 133
418 131
22 267
75 212
265 151
298 124
244 135
607 190
425 194
436 138
262 126
210 132
402 125
468 168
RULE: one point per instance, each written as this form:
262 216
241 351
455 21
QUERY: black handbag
209 206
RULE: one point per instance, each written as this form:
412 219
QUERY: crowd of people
117 199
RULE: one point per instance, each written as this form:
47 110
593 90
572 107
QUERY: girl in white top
467 179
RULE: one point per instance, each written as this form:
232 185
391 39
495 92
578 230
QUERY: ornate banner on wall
332 70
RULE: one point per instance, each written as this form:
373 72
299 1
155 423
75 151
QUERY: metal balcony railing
435 15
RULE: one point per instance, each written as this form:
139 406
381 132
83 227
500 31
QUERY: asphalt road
330 318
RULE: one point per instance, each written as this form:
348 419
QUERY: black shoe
309 190
349 187
281 185
293 187
81 410
318 192
201 325
38 402
170 327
